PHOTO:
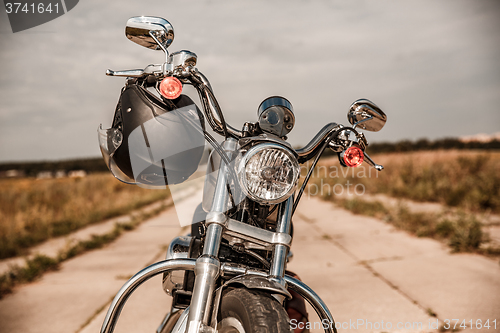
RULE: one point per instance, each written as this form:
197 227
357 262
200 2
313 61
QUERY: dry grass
32 211
36 266
469 180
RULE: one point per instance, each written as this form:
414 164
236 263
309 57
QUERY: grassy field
469 180
32 211
37 265
461 231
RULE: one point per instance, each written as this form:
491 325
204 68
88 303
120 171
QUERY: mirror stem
153 34
361 121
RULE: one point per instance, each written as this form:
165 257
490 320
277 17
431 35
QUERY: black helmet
153 143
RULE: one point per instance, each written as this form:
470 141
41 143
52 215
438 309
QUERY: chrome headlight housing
268 173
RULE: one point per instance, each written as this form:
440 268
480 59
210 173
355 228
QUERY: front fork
207 268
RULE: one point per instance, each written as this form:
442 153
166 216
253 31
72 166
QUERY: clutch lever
369 160
150 69
127 73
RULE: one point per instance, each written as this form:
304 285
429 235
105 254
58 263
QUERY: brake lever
127 73
369 160
150 69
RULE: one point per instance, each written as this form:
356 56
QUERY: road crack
366 264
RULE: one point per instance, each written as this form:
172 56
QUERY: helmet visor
109 141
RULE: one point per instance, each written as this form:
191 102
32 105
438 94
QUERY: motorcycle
229 274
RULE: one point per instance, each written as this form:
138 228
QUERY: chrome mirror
366 115
152 32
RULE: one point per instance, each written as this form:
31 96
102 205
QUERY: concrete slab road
65 301
385 280
372 277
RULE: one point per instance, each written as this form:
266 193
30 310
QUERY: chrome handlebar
203 86
209 102
314 146
207 98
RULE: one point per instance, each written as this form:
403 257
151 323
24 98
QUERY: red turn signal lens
170 87
353 157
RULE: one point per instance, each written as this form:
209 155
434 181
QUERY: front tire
251 311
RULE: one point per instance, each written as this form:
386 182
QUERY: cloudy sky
433 66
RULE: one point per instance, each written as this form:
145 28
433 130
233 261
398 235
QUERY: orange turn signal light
170 87
353 156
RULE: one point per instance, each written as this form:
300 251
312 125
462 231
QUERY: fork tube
277 269
207 267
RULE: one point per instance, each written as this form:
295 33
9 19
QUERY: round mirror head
366 115
147 30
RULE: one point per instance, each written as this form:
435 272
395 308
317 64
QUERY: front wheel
251 311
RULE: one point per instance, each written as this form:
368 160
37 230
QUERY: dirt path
362 268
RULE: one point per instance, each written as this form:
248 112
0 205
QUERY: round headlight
268 173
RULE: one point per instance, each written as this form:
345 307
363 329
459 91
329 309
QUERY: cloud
431 65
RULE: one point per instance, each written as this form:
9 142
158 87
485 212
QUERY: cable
258 257
272 210
217 109
207 96
309 173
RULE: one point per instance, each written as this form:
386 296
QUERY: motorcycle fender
266 284
171 319
249 281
